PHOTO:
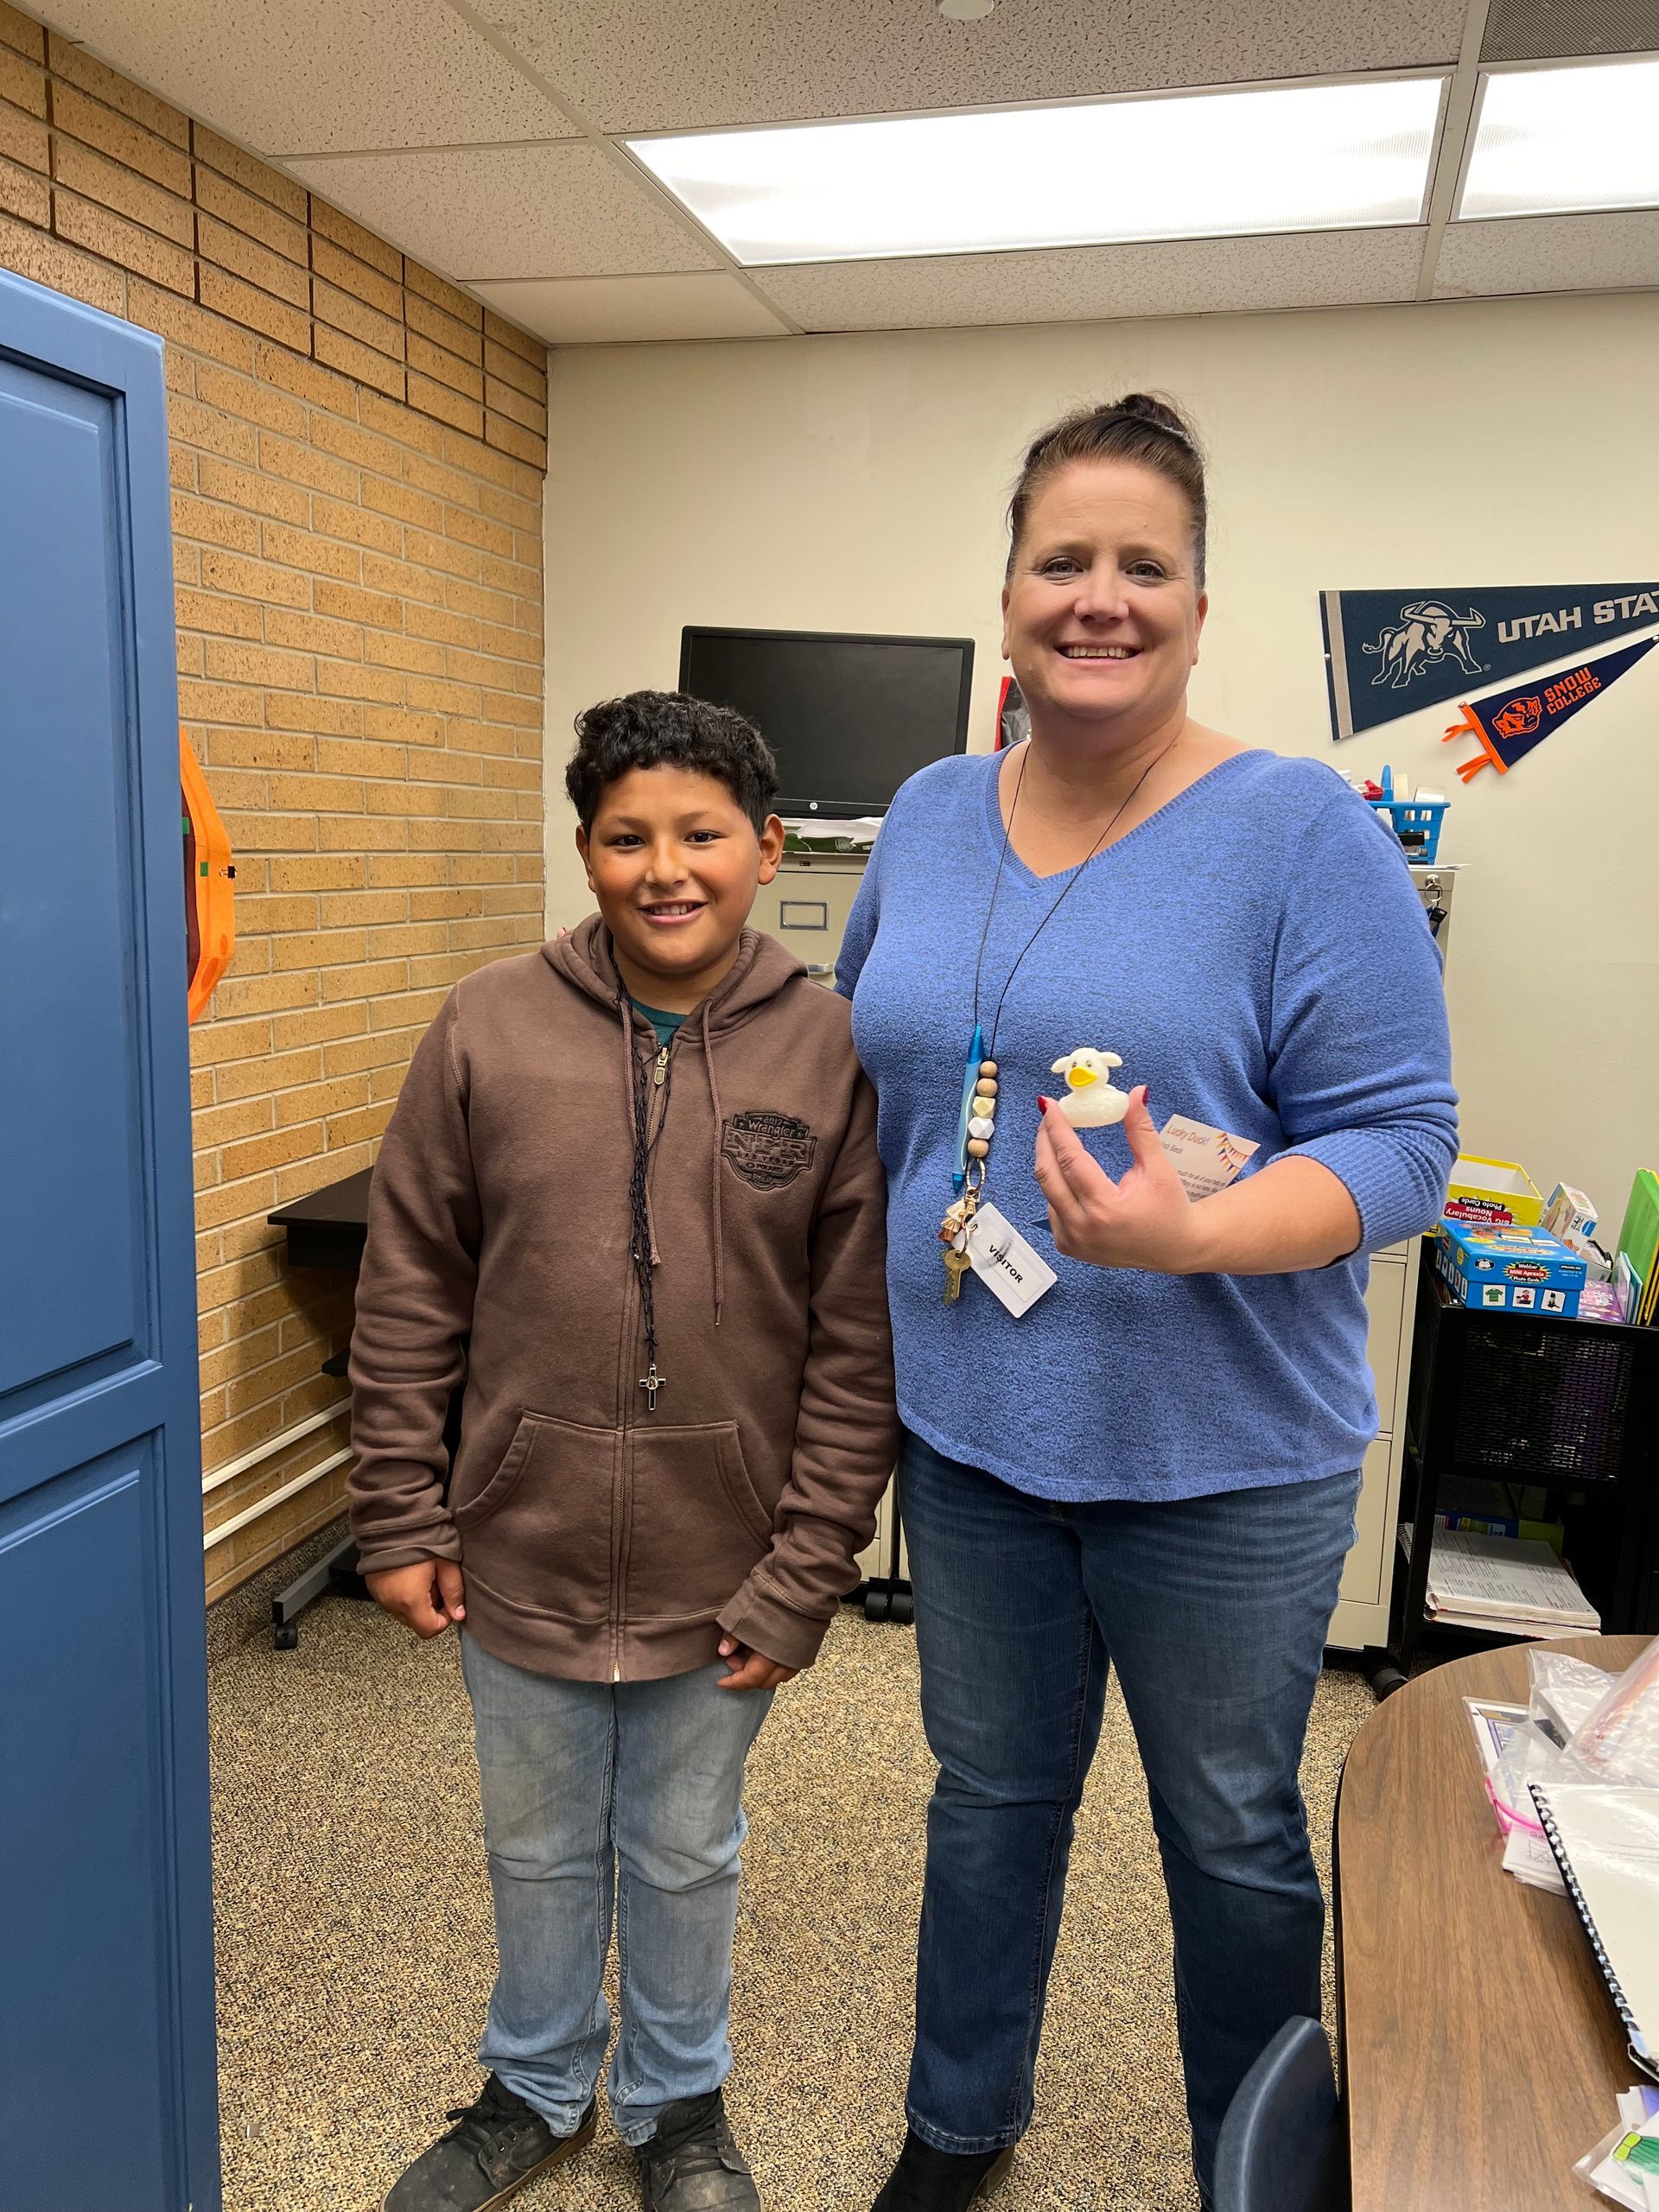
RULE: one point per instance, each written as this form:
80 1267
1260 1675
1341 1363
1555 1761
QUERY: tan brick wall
357 455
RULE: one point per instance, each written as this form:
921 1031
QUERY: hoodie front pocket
696 1526
539 1533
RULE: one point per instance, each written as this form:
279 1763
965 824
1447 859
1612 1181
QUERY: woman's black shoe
926 2180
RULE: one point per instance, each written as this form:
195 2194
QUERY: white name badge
1005 1263
1206 1159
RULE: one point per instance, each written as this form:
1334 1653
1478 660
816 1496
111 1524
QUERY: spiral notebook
1606 1839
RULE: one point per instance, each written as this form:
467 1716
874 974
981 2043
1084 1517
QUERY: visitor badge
1206 1159
1005 1263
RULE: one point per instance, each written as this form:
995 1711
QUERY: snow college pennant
1387 653
1509 723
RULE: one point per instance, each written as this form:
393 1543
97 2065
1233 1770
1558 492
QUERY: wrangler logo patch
767 1150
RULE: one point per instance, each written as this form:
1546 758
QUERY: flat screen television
849 717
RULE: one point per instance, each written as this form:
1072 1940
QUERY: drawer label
803 914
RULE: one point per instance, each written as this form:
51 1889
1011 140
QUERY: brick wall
356 457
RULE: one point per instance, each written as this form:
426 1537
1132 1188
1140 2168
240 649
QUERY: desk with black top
326 1229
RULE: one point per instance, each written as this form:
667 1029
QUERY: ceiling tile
1097 283
566 210
661 64
316 75
1548 253
620 310
1541 30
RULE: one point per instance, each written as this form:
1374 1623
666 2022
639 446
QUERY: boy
637 1168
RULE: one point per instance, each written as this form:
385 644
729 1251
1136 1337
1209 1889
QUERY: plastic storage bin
1415 822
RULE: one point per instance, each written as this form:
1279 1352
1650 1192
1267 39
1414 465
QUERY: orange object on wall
209 883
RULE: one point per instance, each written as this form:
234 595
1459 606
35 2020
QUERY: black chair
1283 2146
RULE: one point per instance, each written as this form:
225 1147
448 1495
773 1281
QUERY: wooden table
1482 2053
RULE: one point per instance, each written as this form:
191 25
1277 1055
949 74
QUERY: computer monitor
849 717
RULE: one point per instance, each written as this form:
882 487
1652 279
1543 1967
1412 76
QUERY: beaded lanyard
977 1120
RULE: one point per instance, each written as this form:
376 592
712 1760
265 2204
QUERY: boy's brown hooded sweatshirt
600 1540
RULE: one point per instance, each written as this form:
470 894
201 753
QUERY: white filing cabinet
1362 1616
1361 1620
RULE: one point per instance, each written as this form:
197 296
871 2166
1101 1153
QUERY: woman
1155 1466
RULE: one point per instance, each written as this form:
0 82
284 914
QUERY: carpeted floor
356 1951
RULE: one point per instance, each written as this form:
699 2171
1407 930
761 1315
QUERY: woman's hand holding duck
1144 1220
1294 1214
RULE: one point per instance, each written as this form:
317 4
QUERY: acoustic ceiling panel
691 64
1093 283
1550 253
568 210
314 76
624 310
1547 30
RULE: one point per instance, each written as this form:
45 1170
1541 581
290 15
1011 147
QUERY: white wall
859 483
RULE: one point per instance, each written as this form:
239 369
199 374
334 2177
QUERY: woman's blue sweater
1256 953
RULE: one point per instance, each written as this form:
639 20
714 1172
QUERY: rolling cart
1514 1402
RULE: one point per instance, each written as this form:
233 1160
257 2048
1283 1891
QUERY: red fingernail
1043 1105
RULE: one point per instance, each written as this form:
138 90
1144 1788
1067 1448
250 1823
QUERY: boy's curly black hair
669 729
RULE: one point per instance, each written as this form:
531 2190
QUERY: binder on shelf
1638 1242
1606 1839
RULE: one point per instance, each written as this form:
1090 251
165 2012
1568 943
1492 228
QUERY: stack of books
1505 1584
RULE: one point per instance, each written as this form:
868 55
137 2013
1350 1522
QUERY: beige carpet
355 1947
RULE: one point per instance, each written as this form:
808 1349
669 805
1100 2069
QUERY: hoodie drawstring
720 1126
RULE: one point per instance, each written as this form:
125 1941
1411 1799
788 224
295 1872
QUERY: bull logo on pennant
1428 632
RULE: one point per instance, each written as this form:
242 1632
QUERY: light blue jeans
597 1793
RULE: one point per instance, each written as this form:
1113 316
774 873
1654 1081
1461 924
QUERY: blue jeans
1214 1611
600 1791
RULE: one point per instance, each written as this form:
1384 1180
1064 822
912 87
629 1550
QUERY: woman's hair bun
1151 407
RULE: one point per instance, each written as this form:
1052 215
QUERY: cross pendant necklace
651 1384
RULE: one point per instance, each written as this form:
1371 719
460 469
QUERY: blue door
107 2099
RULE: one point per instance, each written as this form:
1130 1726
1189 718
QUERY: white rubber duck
1091 1102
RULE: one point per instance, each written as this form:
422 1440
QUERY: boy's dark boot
926 2180
496 2146
692 2163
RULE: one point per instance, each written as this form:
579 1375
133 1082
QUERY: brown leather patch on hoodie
767 1150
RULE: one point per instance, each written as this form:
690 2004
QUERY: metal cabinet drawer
806 905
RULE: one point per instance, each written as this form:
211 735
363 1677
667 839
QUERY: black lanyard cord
644 1143
996 881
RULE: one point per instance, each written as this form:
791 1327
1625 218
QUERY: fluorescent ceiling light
1557 142
1308 157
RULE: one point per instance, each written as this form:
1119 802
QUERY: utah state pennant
1387 653
1511 723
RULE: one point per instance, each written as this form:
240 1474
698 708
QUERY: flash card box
1515 1270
